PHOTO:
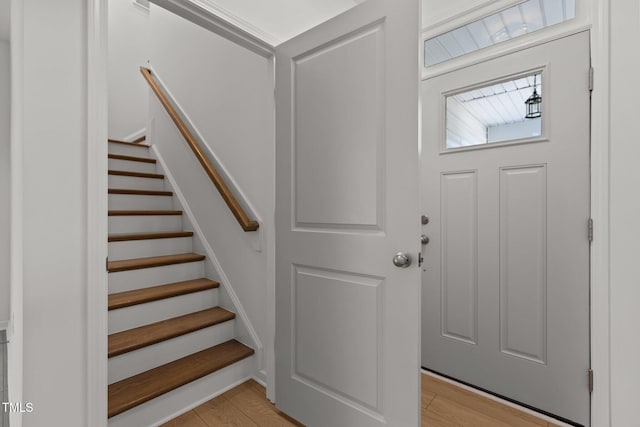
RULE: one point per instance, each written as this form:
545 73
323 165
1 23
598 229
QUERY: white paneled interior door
347 322
506 273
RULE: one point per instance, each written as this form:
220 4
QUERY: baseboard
261 378
138 134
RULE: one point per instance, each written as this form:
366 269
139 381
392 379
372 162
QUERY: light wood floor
443 405
243 406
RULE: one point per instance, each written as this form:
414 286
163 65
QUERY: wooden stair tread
140 192
136 174
155 293
142 138
143 212
156 261
131 158
135 144
138 389
143 336
149 236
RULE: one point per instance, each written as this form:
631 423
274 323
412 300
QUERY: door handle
402 260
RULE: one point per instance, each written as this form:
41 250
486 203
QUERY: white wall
5 195
128 50
227 92
50 84
625 211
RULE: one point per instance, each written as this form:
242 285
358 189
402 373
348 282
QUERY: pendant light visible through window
534 103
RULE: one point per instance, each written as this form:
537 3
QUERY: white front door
347 183
506 272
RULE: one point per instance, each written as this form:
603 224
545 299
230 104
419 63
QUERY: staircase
170 344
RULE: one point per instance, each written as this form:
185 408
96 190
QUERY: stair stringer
244 330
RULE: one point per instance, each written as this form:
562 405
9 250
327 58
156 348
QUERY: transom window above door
501 112
523 18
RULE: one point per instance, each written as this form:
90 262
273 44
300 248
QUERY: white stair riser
135 183
145 277
133 166
148 248
129 150
172 404
139 202
144 314
144 224
135 362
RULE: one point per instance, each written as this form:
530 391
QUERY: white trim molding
15 348
135 135
214 8
600 188
231 29
141 4
452 20
97 222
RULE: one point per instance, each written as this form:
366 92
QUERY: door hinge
591 79
590 230
590 373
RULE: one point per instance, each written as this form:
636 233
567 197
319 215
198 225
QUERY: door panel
347 184
523 262
506 272
459 195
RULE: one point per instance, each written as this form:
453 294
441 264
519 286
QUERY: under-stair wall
226 92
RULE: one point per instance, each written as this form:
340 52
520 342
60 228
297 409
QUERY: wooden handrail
244 221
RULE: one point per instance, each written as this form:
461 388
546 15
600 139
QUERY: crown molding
221 12
215 19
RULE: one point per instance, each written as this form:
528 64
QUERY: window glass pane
524 18
495 113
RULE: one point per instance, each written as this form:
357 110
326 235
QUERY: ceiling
5 18
502 103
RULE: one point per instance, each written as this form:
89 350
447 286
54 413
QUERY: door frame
594 16
97 205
